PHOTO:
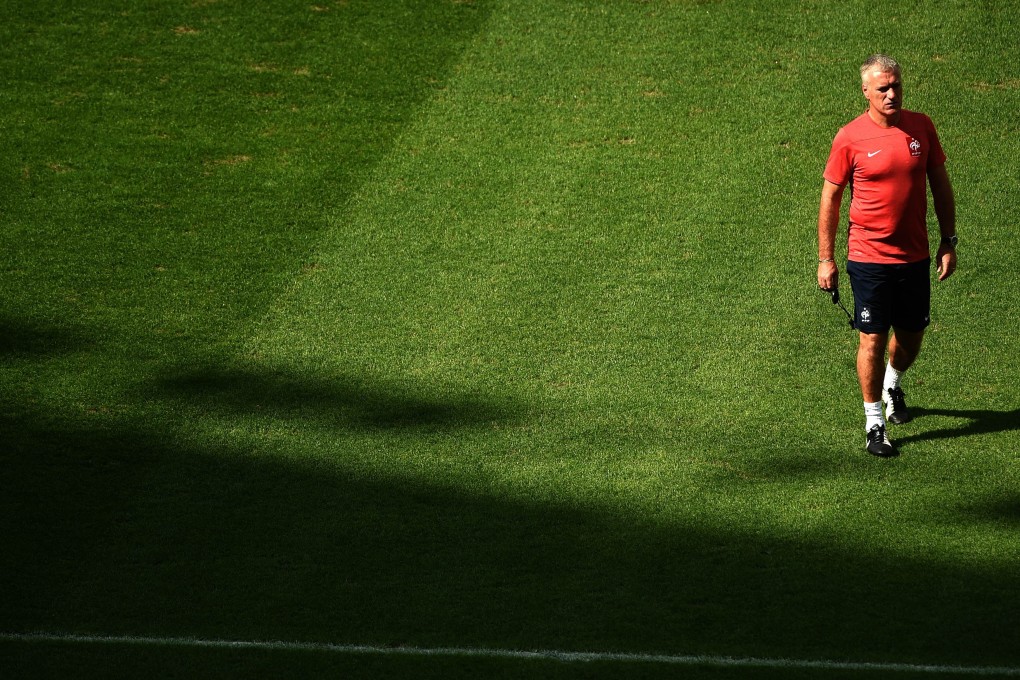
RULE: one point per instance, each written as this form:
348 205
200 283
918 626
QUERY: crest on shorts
915 147
865 315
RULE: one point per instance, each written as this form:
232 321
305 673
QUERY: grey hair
879 62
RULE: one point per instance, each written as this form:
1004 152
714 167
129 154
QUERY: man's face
884 92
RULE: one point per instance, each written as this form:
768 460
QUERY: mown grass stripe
539 654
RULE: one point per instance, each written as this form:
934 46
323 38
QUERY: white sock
892 378
873 415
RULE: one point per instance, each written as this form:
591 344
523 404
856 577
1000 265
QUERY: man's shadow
977 422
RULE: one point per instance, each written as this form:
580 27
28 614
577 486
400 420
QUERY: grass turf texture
488 324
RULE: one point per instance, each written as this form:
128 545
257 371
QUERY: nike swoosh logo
874 153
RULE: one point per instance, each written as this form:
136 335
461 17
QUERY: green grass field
488 325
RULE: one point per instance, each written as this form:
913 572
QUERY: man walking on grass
887 156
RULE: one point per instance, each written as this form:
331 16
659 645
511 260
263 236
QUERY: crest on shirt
915 147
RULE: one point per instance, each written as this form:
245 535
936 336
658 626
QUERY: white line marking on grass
551 655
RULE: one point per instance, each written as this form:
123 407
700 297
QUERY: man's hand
828 275
945 262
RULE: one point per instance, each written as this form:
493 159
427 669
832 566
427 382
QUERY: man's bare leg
904 346
870 373
871 365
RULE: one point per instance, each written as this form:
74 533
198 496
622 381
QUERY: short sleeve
936 156
839 167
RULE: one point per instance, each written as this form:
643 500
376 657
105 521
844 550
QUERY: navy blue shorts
891 295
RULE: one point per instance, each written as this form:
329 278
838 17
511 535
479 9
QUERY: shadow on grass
978 422
338 401
136 529
26 340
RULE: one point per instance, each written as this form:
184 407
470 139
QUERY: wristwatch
950 240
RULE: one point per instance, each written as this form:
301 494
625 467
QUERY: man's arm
945 212
828 222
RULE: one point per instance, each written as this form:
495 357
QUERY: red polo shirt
887 171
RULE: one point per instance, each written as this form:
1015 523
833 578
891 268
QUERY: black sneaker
879 444
896 411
